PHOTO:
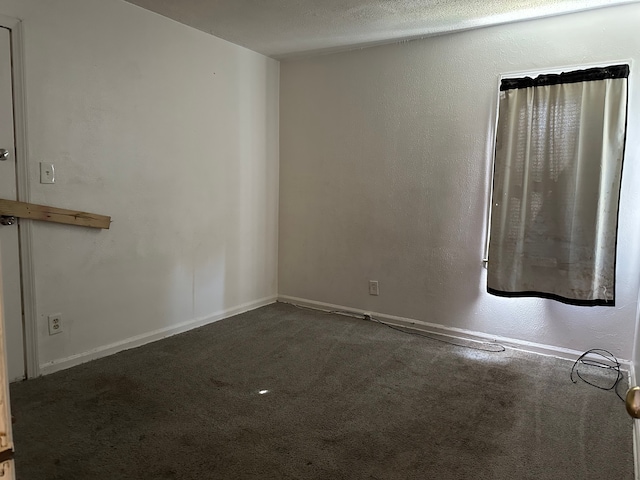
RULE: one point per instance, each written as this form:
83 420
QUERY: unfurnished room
359 239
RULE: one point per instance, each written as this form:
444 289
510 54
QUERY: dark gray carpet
347 399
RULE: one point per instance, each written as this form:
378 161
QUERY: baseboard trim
458 333
149 337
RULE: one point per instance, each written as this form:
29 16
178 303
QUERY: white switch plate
373 287
47 173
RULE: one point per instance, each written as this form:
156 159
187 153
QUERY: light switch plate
47 173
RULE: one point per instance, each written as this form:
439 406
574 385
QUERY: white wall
385 170
172 132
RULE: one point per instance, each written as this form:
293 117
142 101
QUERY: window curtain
557 173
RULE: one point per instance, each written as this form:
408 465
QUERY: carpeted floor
347 399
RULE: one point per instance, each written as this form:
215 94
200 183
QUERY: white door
9 245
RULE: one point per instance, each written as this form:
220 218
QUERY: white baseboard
459 333
149 337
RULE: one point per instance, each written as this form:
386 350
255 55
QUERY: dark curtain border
552 296
577 76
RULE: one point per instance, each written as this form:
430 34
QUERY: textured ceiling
285 28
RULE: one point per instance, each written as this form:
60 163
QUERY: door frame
27 277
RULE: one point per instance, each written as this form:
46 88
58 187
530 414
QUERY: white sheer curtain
558 165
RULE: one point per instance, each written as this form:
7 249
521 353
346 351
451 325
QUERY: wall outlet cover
55 323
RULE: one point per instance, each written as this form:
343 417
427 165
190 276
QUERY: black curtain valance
589 75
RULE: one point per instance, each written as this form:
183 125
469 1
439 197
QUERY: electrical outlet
55 323
373 287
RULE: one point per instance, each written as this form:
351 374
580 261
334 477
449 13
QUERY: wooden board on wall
52 214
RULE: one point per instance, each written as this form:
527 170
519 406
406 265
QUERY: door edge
25 232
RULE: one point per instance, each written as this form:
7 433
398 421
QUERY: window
556 186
